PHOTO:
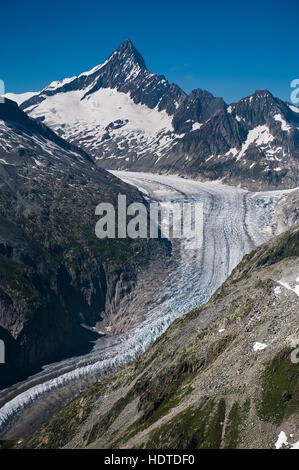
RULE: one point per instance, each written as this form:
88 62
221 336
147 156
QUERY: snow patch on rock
260 136
259 346
282 440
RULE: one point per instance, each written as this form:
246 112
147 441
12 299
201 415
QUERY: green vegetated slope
203 384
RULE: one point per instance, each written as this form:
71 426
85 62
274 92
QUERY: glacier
235 222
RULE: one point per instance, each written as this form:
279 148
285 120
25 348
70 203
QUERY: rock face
129 118
286 213
56 276
222 376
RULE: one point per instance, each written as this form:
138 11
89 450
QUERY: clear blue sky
230 48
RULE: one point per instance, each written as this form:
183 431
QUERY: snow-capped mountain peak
125 55
123 64
127 52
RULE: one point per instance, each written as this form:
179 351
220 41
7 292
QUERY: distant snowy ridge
19 98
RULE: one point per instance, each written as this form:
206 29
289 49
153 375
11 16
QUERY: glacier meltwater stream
235 221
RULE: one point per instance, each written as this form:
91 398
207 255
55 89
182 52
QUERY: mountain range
126 117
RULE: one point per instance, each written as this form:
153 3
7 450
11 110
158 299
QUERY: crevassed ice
187 287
